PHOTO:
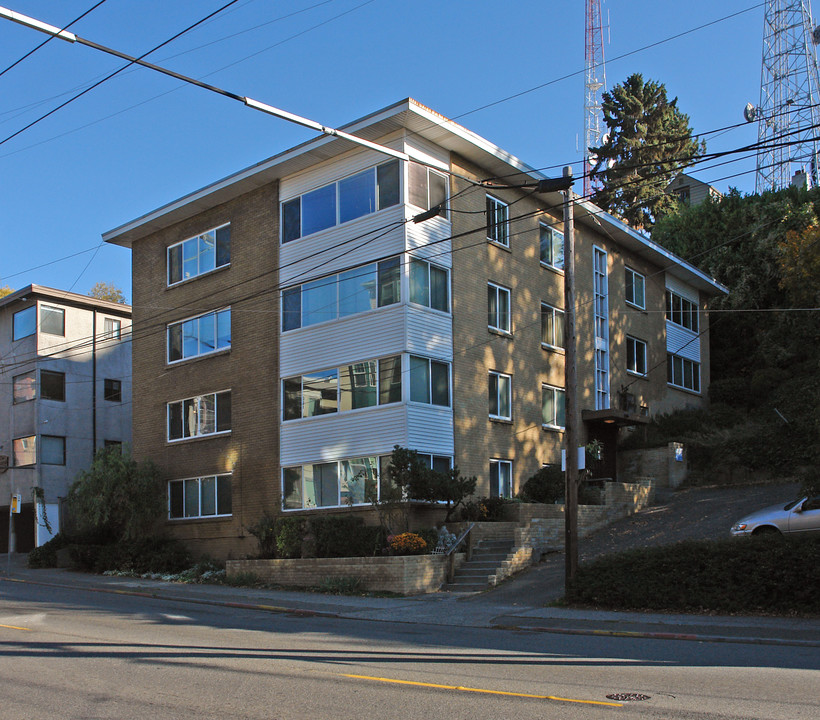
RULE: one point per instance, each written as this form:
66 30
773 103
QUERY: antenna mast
595 80
788 115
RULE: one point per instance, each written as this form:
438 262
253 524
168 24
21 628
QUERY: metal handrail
451 556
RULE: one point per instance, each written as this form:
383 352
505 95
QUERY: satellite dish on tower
815 35
750 112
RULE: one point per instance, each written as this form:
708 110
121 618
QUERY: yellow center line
14 627
480 690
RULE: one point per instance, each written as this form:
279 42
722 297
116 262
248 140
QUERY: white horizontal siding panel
420 149
333 170
429 333
677 285
355 243
361 433
352 339
430 429
683 342
431 240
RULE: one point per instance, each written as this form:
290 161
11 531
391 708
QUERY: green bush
289 534
148 555
264 530
752 575
45 556
430 536
346 536
546 486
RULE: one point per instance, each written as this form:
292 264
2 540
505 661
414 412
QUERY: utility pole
570 390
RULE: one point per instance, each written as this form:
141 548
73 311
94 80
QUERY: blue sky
141 139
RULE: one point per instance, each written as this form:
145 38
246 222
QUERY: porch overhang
613 416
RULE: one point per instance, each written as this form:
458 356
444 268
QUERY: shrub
430 537
407 544
289 534
148 555
264 530
45 556
346 536
546 486
483 510
342 586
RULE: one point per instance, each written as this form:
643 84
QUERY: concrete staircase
485 567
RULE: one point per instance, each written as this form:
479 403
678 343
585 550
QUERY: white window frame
430 266
199 414
499 290
557 393
413 168
551 262
671 372
213 313
498 230
633 301
637 344
687 308
498 394
430 362
112 329
200 271
556 312
199 516
499 463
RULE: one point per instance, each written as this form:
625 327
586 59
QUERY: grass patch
751 575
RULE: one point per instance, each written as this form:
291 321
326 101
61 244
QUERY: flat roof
66 298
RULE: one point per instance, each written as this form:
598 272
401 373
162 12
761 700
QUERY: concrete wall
661 464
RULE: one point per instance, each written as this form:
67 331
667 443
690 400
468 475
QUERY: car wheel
766 530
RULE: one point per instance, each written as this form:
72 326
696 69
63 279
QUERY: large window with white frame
551 246
498 308
498 221
199 416
682 372
681 311
199 255
429 381
635 356
553 407
501 478
427 188
500 396
352 197
552 327
635 288
200 335
429 285
200 497
333 297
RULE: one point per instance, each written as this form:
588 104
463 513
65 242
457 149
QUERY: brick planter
401 574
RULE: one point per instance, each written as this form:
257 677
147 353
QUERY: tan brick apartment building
292 324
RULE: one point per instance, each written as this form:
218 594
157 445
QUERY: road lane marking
481 690
14 627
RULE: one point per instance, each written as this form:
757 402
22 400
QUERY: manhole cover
628 697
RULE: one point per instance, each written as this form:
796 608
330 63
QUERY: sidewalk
492 609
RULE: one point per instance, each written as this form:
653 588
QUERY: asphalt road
72 653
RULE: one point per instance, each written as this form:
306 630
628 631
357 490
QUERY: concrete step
454 587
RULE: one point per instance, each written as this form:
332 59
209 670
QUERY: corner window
310 395
24 451
500 396
353 197
52 449
198 416
498 308
552 247
112 390
200 335
681 311
553 407
552 326
25 323
199 255
52 320
332 484
429 381
200 497
24 387
682 373
112 329
498 221
429 285
52 385
635 356
501 478
635 288
428 188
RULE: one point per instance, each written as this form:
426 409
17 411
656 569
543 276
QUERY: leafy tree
107 291
799 262
5 290
649 141
116 498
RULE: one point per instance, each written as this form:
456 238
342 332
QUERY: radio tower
788 116
595 80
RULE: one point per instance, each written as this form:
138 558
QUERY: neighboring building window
683 373
197 416
24 387
199 255
331 484
362 194
427 189
552 247
635 288
113 445
552 326
112 390
553 407
683 194
501 478
500 396
25 451
498 308
635 356
112 329
25 323
52 450
52 320
200 335
52 385
429 285
199 497
429 381
336 296
681 311
498 221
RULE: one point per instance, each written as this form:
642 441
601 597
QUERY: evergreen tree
648 142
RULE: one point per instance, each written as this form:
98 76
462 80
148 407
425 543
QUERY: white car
799 517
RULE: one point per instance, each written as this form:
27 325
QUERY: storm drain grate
628 697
